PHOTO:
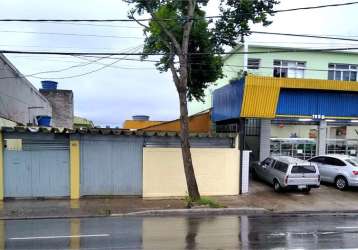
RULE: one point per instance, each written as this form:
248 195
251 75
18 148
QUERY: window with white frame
342 72
291 69
253 63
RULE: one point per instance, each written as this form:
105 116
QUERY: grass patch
203 201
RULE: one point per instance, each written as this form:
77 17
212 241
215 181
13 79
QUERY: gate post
1 167
75 169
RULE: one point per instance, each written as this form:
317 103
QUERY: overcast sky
113 94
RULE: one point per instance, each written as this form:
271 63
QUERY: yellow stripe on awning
261 93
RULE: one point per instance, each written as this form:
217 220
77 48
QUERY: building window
253 63
292 69
342 72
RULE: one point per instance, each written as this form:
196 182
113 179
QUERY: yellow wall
216 170
199 123
75 169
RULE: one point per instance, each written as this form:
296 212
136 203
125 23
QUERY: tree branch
183 58
167 32
141 24
187 27
172 67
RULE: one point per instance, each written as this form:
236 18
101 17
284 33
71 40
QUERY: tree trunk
192 186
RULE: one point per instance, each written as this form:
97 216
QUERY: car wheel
341 183
276 186
307 190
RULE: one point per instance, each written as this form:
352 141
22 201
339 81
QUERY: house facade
300 103
274 61
21 102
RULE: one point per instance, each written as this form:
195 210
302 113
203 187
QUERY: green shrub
203 201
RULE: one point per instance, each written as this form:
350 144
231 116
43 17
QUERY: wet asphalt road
221 232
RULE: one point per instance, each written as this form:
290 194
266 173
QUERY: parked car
285 172
342 170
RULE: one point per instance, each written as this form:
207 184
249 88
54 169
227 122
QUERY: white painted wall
302 131
17 94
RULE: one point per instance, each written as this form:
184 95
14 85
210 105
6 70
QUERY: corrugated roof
195 124
105 131
139 124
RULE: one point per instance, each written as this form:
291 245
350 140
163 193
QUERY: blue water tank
49 85
43 120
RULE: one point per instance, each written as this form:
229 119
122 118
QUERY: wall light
305 120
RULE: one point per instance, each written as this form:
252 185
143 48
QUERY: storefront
297 117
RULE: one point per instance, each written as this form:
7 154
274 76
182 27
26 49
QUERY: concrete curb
51 217
197 211
314 212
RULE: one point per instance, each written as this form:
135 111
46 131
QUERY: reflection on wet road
220 232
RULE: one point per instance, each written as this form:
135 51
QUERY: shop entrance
297 139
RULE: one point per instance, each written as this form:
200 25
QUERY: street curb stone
192 212
197 211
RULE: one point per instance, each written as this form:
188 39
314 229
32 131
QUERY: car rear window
303 170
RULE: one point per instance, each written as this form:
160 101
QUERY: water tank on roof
44 120
49 85
140 117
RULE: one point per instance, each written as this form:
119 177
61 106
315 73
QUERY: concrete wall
62 107
216 169
6 123
18 95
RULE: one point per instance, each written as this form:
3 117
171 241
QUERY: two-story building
297 102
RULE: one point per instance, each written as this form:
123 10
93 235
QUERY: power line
79 75
35 57
119 67
341 38
67 68
70 34
141 68
291 50
98 25
305 35
74 66
317 7
166 19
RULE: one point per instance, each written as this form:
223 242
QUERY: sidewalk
261 199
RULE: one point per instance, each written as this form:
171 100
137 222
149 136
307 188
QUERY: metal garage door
39 169
111 165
